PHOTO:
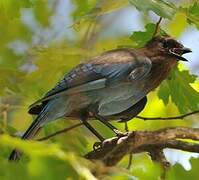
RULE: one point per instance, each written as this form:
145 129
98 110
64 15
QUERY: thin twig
130 161
157 155
168 118
157 27
59 132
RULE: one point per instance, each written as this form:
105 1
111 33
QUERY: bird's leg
109 125
126 126
131 154
93 130
96 144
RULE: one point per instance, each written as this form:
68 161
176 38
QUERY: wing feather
110 67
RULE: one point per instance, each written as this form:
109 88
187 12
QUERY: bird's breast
117 98
159 72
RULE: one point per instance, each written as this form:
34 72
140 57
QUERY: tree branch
168 118
153 142
157 155
59 132
114 149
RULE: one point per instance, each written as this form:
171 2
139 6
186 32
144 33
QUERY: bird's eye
170 43
165 44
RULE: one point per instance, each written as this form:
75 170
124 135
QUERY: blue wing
98 73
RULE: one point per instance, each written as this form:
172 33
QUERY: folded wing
110 67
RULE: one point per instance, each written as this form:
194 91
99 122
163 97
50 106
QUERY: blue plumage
113 84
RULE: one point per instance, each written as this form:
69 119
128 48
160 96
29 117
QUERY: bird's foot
97 145
119 133
107 142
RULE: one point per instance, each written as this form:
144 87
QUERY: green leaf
177 172
164 92
140 38
40 150
194 10
50 168
178 87
42 12
144 168
8 79
162 8
11 9
111 5
87 11
82 8
10 171
178 24
193 14
91 8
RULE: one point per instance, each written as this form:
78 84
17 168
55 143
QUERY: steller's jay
112 85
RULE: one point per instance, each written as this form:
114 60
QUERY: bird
112 85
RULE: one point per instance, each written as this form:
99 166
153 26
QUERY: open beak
178 52
185 50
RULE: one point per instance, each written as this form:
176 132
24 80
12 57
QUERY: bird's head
167 46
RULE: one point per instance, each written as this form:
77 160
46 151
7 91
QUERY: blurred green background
41 40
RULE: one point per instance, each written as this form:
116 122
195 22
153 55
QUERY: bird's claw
97 145
119 133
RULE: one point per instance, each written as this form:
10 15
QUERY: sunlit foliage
35 54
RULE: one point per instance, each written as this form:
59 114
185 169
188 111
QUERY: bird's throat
159 72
